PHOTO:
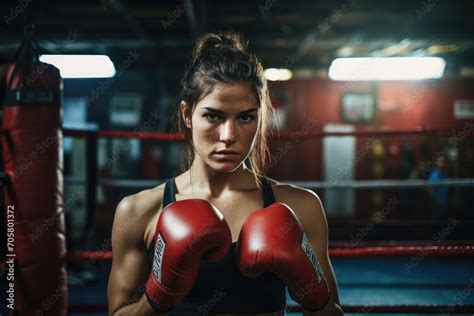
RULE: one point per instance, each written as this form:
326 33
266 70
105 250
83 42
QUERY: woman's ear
185 113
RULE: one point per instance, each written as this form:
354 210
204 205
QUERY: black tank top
221 288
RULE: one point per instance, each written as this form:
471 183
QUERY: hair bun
219 41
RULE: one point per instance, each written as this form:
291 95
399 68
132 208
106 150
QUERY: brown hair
224 58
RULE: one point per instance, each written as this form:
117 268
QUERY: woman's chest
235 208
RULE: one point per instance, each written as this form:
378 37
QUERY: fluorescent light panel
278 74
81 66
390 68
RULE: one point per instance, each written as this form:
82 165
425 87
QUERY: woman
224 113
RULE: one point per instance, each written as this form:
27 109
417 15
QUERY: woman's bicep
130 266
127 279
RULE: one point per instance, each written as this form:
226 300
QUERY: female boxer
220 238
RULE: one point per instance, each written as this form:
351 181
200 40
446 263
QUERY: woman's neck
200 178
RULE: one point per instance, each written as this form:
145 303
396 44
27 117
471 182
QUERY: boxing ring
365 256
373 278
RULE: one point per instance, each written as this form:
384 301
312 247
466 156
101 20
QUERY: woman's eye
211 117
246 118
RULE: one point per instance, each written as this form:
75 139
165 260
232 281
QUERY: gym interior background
375 180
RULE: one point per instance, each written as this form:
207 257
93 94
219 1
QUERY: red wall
400 105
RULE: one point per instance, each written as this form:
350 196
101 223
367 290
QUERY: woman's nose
227 132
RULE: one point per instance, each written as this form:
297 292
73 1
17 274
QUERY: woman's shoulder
137 209
142 201
290 192
303 202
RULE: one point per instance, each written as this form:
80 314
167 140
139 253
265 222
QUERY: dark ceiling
296 34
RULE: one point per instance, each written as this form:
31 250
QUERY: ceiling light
391 68
81 66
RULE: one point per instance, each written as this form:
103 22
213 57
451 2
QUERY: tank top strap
169 193
267 192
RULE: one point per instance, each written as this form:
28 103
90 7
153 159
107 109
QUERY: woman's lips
226 154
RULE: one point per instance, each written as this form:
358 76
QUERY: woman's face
224 125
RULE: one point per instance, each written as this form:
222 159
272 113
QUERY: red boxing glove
272 240
187 231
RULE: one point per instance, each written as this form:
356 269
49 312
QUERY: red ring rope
275 135
395 251
378 251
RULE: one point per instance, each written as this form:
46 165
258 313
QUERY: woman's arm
309 210
130 268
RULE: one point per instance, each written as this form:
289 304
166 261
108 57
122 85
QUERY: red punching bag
32 150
